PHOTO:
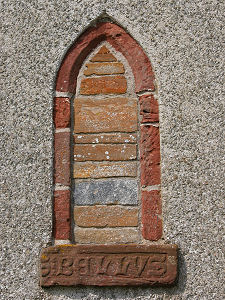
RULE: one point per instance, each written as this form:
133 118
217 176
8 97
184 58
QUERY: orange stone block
105 115
106 236
107 169
103 55
105 216
103 85
99 152
104 69
106 138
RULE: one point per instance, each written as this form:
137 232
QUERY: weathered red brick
152 227
103 85
62 220
151 203
151 208
150 155
62 112
149 108
62 158
121 41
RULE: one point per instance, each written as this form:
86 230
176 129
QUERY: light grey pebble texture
184 40
108 191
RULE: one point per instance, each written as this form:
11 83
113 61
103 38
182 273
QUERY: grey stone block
108 191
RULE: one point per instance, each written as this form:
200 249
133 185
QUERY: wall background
183 40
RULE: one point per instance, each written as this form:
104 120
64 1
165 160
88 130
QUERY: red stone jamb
149 143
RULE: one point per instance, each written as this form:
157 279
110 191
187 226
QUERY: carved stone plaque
108 265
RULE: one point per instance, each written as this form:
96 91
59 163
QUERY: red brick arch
149 136
121 41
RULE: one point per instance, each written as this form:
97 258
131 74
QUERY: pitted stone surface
109 191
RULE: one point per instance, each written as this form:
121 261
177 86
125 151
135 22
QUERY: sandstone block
62 158
108 169
151 227
103 55
105 216
103 85
104 69
99 152
150 155
149 108
109 191
108 265
61 220
151 203
106 115
62 112
106 138
106 236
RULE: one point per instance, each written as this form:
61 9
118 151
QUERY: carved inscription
109 265
100 265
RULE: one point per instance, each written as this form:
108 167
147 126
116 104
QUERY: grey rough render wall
183 40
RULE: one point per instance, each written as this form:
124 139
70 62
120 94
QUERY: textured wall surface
183 40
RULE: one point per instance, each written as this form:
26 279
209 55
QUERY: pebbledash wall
183 41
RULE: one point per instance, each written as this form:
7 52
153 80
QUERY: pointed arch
149 142
121 41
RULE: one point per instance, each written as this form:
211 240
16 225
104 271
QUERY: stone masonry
105 152
107 168
115 143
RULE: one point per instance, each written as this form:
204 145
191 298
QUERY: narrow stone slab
105 169
105 115
104 69
108 191
106 236
100 152
105 216
108 265
106 138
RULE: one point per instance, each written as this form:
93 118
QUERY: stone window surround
65 90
